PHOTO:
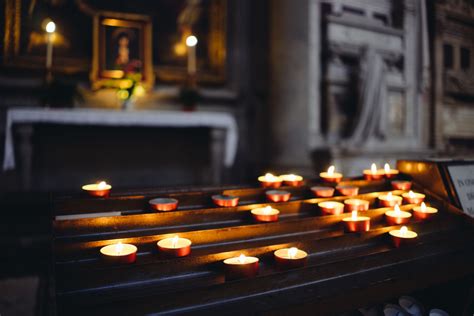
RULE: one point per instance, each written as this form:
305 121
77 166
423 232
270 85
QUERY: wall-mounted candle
331 175
397 216
356 205
101 189
119 253
163 204
292 180
373 174
241 267
390 173
413 198
278 195
323 191
424 212
347 190
223 200
174 246
270 181
50 28
356 223
401 185
191 42
402 236
389 200
265 214
331 208
289 258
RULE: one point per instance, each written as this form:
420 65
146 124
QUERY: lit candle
50 28
191 42
163 204
175 246
292 180
265 214
101 189
402 236
390 173
331 175
397 216
347 190
331 208
356 223
401 185
373 173
278 195
356 205
424 212
225 200
289 258
270 181
119 253
241 267
389 200
413 198
323 191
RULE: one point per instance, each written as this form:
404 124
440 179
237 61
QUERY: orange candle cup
174 247
119 253
101 189
270 181
356 224
163 204
265 214
402 236
241 267
331 208
390 173
225 200
389 200
278 195
347 190
290 258
292 180
424 212
331 176
323 191
397 217
413 198
401 185
356 205
373 174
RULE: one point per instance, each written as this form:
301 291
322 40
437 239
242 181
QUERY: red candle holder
290 258
401 185
413 198
423 212
174 247
292 180
270 181
356 205
397 217
356 224
331 208
330 176
119 253
323 191
265 214
402 237
223 200
163 204
100 190
241 267
347 190
389 200
278 195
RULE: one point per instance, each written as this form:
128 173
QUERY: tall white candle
50 28
191 42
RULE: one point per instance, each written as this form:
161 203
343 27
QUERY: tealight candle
278 195
401 185
397 216
356 223
323 191
225 200
390 173
424 212
241 267
101 189
389 200
402 236
347 190
413 198
331 175
288 258
119 253
270 181
331 208
265 214
163 204
373 174
175 246
292 180
356 205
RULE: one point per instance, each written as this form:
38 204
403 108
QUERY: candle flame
118 248
50 27
267 210
191 41
102 185
292 252
389 196
411 194
269 177
423 207
331 170
386 168
242 258
403 230
174 241
354 215
373 168
291 177
397 209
